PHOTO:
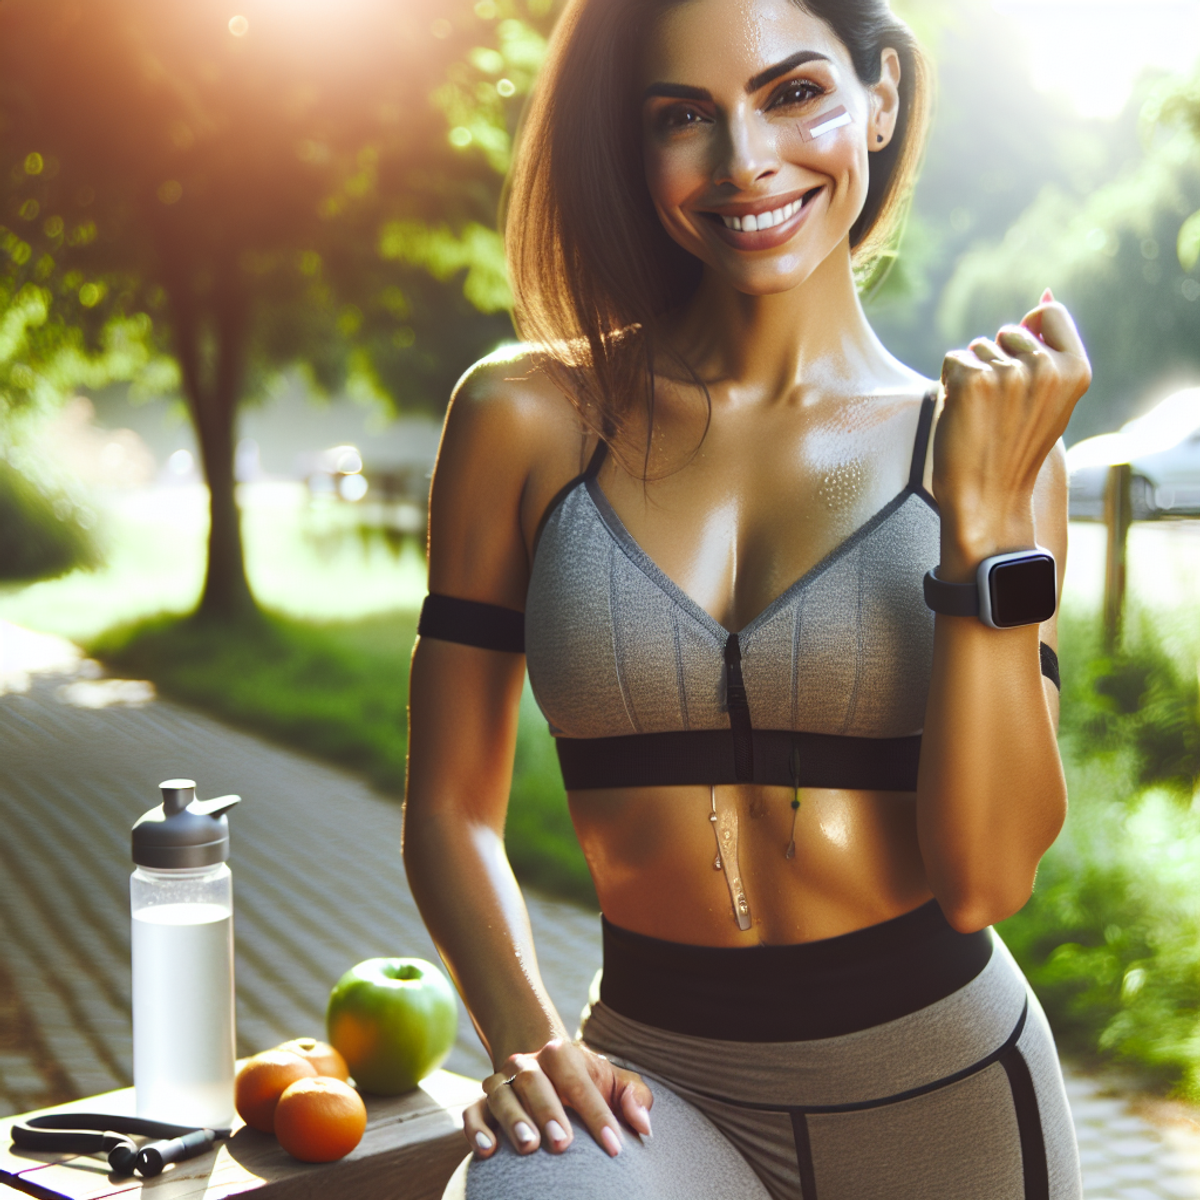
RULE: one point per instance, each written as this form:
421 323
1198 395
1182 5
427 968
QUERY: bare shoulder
506 395
508 430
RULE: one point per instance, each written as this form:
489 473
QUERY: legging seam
997 1055
1034 1166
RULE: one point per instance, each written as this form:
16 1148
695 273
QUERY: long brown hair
592 269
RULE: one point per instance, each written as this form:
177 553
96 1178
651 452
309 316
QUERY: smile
767 220
765 229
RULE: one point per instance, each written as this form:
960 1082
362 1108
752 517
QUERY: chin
767 278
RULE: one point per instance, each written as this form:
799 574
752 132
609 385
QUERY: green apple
394 1021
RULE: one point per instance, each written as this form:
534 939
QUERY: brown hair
592 269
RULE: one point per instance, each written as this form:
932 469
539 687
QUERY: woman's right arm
463 704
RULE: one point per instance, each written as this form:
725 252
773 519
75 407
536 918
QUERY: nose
749 151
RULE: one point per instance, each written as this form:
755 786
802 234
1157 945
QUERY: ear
885 101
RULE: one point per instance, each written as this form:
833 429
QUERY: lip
761 239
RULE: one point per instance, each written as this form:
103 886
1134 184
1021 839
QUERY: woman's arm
463 704
991 793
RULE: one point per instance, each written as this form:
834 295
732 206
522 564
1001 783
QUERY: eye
679 117
796 92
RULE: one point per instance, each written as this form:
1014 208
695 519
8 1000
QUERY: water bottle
182 906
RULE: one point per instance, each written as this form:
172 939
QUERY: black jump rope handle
99 1133
154 1156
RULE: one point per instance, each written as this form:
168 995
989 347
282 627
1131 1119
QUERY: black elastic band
791 993
708 756
472 623
1049 664
597 460
916 473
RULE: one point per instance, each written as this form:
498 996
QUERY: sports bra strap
597 460
916 473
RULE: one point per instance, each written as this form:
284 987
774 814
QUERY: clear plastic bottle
183 1003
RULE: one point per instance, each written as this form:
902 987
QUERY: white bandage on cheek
827 122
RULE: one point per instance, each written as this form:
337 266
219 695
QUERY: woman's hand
1008 402
526 1099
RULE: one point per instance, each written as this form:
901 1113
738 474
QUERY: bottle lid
182 831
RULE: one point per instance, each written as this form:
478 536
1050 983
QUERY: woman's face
751 163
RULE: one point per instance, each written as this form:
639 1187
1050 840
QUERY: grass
339 690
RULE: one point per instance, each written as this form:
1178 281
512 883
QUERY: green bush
43 534
1111 938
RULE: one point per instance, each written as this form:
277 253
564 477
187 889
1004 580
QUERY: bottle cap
182 831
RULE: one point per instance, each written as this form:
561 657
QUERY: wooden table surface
409 1151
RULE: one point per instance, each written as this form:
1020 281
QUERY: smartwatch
1014 589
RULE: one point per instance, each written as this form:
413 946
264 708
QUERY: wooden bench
411 1147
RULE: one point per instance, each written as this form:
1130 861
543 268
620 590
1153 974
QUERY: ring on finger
509 1081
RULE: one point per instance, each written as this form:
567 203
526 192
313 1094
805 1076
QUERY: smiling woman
577 199
716 517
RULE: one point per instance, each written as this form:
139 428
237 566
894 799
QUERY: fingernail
608 1139
646 1118
522 1133
483 1141
555 1132
1047 297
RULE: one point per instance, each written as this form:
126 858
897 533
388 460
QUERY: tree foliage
1118 253
300 184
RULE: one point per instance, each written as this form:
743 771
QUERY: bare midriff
652 853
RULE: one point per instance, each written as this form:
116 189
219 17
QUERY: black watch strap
953 599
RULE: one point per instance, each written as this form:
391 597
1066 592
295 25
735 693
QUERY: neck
811 339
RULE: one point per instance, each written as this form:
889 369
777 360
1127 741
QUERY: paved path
318 887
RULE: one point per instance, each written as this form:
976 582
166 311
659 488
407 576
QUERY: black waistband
791 993
704 756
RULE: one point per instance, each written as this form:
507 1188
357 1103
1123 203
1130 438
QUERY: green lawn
338 690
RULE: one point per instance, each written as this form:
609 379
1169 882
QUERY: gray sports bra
826 687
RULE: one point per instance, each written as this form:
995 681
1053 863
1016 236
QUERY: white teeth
768 220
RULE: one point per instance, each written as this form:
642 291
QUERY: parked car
1163 450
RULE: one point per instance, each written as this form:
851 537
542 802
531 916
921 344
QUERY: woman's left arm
991 792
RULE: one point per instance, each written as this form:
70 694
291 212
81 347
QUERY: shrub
43 534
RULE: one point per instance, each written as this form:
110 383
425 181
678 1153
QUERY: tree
222 186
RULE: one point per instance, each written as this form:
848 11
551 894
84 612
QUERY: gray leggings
962 1100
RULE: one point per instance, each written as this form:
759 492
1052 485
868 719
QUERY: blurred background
247 247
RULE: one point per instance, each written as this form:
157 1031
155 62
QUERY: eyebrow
682 91
782 68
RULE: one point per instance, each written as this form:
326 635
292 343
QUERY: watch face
1022 592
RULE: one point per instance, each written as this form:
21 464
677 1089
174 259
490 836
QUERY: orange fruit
319 1120
262 1080
322 1056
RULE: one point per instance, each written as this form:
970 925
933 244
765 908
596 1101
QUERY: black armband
1050 664
472 623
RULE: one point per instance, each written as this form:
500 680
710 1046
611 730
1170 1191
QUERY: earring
879 137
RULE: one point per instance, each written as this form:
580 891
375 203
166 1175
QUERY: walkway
319 886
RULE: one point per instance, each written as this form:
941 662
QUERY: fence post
1118 515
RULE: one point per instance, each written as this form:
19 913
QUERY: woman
709 490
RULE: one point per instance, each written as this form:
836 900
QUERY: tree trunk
213 406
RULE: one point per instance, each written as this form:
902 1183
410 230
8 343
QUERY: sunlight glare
1162 428
239 26
1094 50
